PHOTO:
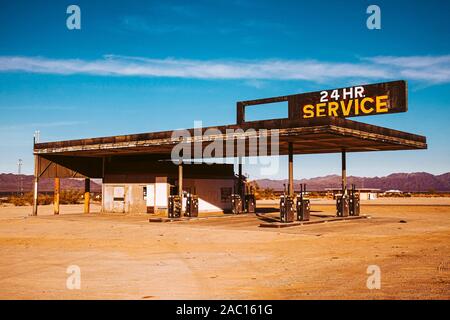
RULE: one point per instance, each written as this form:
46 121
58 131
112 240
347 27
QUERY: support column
35 189
56 196
240 191
180 179
291 169
87 195
103 185
344 173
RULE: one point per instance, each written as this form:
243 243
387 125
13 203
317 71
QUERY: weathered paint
322 135
87 195
133 200
56 194
362 100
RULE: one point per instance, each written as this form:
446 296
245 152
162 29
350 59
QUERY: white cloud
411 61
38 125
434 69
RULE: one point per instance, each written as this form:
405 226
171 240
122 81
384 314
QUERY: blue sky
141 66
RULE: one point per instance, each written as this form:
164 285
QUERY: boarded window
119 194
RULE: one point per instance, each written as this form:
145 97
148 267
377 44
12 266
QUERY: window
119 194
225 194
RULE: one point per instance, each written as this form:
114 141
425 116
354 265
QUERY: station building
364 193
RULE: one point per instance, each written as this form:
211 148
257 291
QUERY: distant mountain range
9 182
407 182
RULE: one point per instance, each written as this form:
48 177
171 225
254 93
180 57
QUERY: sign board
362 100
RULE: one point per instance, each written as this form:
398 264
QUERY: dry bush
65 197
267 194
27 199
18 201
315 194
44 199
23 200
70 196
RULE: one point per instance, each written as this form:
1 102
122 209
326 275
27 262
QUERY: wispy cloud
426 68
37 125
411 61
433 69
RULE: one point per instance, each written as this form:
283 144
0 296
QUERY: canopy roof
323 135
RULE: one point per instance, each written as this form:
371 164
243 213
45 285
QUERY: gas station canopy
319 135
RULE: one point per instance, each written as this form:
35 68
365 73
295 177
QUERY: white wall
132 194
161 194
208 191
368 195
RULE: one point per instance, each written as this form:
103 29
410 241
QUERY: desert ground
228 257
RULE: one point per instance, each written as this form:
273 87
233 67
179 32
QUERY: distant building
392 193
364 193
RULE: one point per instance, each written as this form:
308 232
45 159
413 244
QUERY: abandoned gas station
139 174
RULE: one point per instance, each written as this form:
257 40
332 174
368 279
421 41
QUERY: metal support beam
87 195
240 191
35 189
180 179
291 169
344 173
56 196
103 185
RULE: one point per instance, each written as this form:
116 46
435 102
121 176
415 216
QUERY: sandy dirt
126 257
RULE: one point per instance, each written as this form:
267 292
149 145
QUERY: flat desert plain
231 257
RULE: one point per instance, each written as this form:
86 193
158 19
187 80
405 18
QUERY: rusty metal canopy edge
322 135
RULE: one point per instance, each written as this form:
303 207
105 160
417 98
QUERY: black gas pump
355 207
303 205
191 205
250 200
250 203
287 208
174 208
342 205
236 203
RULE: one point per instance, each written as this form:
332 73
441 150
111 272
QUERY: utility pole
36 175
37 136
20 178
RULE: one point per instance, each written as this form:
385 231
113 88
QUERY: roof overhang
323 135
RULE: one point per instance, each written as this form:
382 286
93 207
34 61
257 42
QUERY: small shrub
65 197
70 196
44 199
18 201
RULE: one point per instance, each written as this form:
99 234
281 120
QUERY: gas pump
250 200
236 203
354 202
287 209
303 205
342 205
191 205
174 206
